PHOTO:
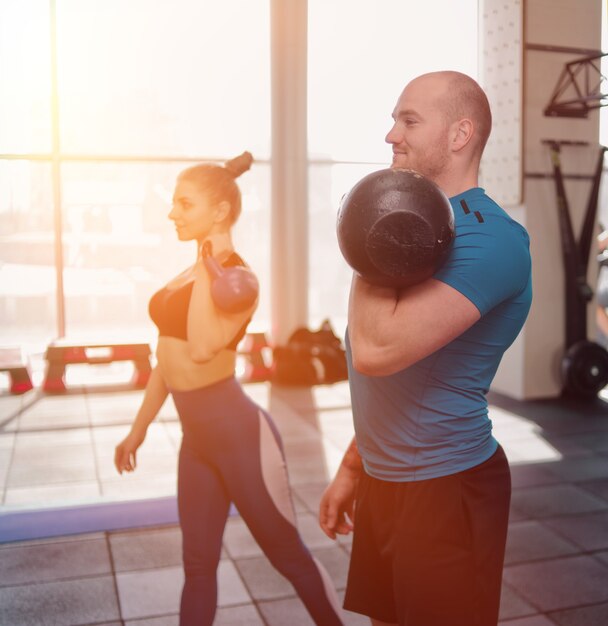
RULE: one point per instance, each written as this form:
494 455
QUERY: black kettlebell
233 289
395 227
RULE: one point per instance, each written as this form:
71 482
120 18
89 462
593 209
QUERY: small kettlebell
233 289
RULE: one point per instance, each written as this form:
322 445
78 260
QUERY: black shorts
430 553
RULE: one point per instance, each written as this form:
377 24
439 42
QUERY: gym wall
520 72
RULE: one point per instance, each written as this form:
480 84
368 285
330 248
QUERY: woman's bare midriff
181 373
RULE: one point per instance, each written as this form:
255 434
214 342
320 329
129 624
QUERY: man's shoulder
476 212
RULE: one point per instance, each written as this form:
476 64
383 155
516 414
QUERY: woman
231 450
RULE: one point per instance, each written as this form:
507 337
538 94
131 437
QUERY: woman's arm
391 329
125 458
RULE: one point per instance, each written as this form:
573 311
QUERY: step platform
61 353
14 363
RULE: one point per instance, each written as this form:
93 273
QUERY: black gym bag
310 358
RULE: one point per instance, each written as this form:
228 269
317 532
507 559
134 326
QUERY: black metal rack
585 363
583 78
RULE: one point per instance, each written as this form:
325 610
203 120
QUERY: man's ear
222 210
462 133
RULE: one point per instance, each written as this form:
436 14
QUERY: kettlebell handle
213 267
206 249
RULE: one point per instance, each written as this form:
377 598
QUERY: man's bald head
460 97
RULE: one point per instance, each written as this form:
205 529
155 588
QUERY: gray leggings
232 452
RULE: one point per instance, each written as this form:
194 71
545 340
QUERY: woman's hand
221 245
125 455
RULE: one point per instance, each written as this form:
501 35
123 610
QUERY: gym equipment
589 93
233 289
13 362
310 357
585 368
395 227
61 353
585 363
253 348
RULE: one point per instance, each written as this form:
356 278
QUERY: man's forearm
352 459
370 308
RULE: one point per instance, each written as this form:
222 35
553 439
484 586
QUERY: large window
361 55
143 89
103 102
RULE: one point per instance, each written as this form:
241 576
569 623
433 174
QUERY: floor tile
148 593
532 475
7 440
513 605
150 462
54 454
311 532
291 611
57 495
53 561
36 472
140 550
6 456
336 561
552 500
582 616
246 615
238 540
531 541
262 580
48 439
530 449
310 494
166 620
602 556
560 583
596 487
49 404
590 531
579 469
597 442
288 611
106 437
303 471
84 601
533 620
10 407
134 486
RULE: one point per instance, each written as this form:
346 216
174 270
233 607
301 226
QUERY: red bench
13 362
257 369
60 354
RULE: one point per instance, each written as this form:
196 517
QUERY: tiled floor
56 455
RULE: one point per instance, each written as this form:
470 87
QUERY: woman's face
192 213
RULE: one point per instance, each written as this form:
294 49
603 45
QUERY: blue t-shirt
431 419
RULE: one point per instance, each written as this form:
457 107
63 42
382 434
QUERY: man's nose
392 136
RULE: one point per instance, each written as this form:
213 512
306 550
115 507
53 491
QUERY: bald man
430 483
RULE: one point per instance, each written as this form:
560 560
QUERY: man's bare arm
390 330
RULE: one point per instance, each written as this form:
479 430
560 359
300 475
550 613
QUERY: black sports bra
168 308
